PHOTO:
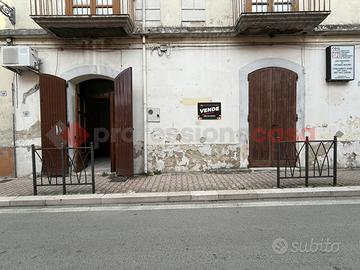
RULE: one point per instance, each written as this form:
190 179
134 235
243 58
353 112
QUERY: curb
184 196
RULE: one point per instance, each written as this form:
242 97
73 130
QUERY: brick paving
177 182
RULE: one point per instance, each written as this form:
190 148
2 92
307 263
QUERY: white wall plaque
340 63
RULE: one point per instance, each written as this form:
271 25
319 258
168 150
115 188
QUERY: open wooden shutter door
53 122
123 124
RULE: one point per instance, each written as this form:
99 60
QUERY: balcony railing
262 6
82 7
84 18
267 13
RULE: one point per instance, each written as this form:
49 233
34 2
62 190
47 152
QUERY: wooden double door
54 125
272 113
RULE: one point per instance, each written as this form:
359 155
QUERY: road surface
256 235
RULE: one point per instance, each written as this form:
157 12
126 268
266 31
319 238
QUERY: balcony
279 16
84 18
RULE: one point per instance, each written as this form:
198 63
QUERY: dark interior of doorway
94 111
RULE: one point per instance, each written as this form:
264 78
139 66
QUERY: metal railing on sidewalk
67 166
307 160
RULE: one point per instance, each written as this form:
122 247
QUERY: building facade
260 67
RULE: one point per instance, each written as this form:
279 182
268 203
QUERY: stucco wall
185 76
344 12
6 123
6 108
59 62
217 13
207 70
331 109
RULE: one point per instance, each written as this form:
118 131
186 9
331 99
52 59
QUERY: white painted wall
193 73
58 62
175 86
6 109
344 12
167 13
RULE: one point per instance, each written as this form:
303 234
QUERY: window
193 11
283 6
271 5
93 7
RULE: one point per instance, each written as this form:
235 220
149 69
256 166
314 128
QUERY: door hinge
297 117
248 118
67 85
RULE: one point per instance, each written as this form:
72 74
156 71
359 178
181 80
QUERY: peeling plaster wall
181 142
176 87
333 108
27 121
6 109
58 62
184 158
6 124
178 81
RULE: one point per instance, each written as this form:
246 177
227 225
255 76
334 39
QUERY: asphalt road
209 236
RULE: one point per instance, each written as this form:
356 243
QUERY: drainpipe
14 127
144 62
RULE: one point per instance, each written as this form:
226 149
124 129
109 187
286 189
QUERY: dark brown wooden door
53 122
272 113
123 124
112 141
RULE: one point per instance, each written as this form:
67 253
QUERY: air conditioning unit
20 58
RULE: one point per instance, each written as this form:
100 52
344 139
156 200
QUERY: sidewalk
178 183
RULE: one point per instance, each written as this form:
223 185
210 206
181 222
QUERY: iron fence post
335 161
307 161
34 168
278 163
92 167
63 168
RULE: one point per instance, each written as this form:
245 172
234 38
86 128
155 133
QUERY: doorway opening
94 112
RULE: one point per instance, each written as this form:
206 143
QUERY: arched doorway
272 113
63 109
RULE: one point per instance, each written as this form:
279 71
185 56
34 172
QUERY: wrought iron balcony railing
264 6
84 18
82 7
274 15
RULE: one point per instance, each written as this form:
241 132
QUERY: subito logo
280 246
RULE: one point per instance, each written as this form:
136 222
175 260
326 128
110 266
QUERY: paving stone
178 182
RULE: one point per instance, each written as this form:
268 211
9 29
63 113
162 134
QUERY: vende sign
209 111
340 63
